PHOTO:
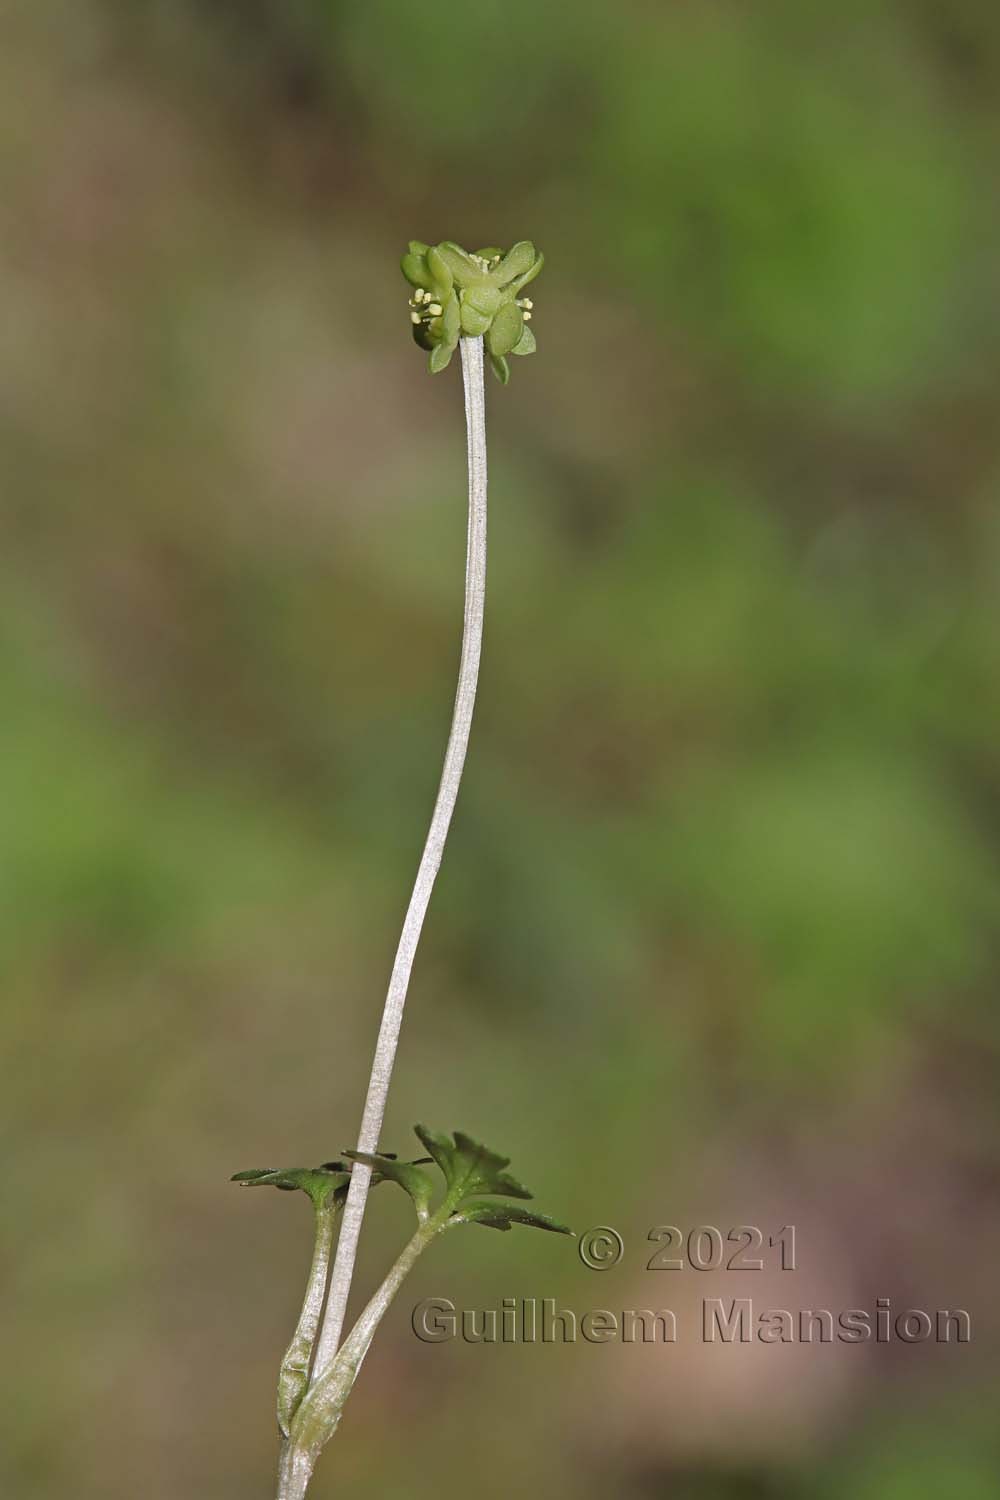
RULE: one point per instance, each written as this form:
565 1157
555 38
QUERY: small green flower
477 295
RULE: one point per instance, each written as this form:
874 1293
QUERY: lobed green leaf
406 1173
320 1183
470 1168
503 1215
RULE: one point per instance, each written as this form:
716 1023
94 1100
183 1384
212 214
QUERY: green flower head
456 293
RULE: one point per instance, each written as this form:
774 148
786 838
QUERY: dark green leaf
469 1168
503 1215
407 1174
318 1182
441 1148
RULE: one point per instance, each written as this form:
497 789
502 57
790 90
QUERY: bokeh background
716 938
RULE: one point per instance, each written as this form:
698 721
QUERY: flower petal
505 330
519 259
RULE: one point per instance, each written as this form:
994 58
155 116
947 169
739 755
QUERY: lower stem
293 1378
295 1469
319 1413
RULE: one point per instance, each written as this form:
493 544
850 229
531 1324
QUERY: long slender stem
430 860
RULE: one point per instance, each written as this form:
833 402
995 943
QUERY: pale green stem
319 1413
293 1379
451 776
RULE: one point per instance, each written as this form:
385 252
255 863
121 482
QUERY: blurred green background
716 937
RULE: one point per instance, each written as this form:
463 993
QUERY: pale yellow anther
527 317
414 317
527 303
435 309
420 294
